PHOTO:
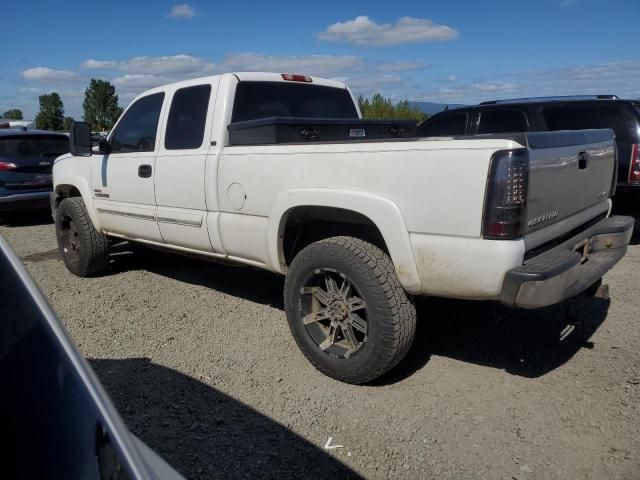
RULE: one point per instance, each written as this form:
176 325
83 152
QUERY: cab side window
187 118
136 131
503 121
446 124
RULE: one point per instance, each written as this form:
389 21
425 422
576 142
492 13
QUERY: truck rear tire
347 310
84 250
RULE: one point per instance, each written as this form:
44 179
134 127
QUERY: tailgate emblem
356 132
44 164
545 217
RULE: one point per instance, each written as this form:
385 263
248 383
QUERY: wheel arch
74 187
379 221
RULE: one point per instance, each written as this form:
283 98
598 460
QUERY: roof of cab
243 77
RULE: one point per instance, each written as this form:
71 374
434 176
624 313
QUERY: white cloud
168 65
32 90
183 66
45 74
363 31
393 79
137 74
469 93
182 11
619 78
140 81
320 65
97 64
157 65
178 67
401 66
501 87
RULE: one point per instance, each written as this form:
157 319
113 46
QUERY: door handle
583 160
144 171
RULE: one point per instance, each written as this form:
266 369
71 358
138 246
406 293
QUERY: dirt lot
199 361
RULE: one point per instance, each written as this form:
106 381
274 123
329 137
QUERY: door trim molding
178 221
139 216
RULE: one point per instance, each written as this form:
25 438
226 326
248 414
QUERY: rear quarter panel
438 185
433 187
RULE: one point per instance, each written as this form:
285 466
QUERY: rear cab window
261 99
579 117
187 118
502 121
445 125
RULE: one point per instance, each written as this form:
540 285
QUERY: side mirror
104 146
80 139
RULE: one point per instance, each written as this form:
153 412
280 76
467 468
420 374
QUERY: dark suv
26 159
551 113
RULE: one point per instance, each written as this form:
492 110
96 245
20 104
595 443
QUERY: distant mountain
431 108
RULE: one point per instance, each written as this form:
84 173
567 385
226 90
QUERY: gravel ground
199 360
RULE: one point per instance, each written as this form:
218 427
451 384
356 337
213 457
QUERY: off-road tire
390 312
90 256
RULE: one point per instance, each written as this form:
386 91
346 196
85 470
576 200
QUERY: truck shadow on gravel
635 240
204 433
524 343
241 281
629 205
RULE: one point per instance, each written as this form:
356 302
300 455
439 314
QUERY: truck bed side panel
438 186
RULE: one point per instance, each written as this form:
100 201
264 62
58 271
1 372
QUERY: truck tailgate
569 172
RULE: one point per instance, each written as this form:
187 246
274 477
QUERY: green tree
51 114
100 105
380 108
13 114
66 123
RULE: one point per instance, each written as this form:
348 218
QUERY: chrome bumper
569 268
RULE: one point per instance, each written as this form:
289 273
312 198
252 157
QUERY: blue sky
454 51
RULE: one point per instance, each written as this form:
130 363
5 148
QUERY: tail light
634 166
296 78
7 166
506 196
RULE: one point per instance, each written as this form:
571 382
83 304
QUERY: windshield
22 147
280 99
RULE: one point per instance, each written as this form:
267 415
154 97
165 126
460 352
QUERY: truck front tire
84 250
347 310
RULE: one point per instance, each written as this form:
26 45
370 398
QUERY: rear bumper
24 201
569 268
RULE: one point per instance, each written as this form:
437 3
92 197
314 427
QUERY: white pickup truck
277 171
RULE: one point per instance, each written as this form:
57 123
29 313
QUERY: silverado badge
542 218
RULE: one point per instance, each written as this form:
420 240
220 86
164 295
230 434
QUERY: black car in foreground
58 421
552 113
26 159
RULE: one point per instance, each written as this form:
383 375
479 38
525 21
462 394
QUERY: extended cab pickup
219 167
